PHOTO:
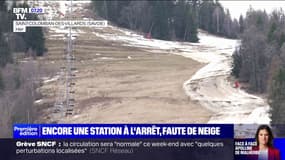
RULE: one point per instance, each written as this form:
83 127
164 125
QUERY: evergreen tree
2 86
241 24
3 5
277 98
4 17
179 16
35 40
227 24
270 35
34 36
161 19
205 15
5 54
237 64
281 40
101 8
185 22
191 27
110 10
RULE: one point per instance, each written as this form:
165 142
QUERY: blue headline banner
52 131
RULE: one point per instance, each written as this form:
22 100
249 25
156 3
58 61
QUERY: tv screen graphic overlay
121 141
100 61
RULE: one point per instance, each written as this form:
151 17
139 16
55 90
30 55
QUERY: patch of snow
135 40
57 35
106 58
38 101
48 80
81 2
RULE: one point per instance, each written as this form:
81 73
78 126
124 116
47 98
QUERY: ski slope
209 86
212 89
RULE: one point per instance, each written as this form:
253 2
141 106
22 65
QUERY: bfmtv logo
21 12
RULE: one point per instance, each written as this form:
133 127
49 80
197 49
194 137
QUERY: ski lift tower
65 102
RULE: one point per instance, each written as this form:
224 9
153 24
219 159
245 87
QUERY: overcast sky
240 7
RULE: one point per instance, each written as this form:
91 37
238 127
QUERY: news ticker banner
162 148
127 149
133 141
62 131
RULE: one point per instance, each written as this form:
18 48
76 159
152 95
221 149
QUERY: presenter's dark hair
270 138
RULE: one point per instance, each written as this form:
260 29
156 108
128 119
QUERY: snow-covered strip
49 80
38 101
64 31
209 85
212 89
81 2
139 41
106 58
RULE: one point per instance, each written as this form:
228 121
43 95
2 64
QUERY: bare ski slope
209 85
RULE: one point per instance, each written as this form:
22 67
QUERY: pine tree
5 54
281 40
34 36
270 35
4 16
3 6
2 85
100 8
237 64
241 24
277 98
185 22
35 40
205 15
191 26
179 16
162 19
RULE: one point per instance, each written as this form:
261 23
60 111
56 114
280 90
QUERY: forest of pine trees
5 54
170 20
17 88
260 60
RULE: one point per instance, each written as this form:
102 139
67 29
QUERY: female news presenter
264 138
